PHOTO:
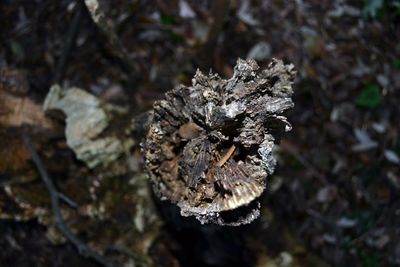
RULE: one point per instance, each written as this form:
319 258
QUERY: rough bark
210 146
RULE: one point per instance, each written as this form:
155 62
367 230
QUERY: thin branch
219 10
107 28
83 249
226 157
67 200
71 36
287 146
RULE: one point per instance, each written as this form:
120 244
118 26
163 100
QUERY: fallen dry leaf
16 111
13 153
13 81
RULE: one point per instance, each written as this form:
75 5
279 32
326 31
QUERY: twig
219 11
293 151
67 200
107 28
299 21
71 36
83 249
227 155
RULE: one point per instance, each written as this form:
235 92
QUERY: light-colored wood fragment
16 111
227 156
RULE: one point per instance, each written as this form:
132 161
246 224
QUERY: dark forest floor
334 198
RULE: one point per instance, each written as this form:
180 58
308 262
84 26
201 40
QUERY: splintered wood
225 158
210 146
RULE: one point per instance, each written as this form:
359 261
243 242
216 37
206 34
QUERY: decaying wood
97 12
225 158
55 203
87 120
210 146
15 108
14 81
111 194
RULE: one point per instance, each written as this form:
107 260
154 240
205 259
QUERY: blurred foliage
376 8
370 97
369 259
373 8
168 20
396 63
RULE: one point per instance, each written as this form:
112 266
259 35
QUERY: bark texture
210 146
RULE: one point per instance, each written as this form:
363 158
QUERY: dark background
334 198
